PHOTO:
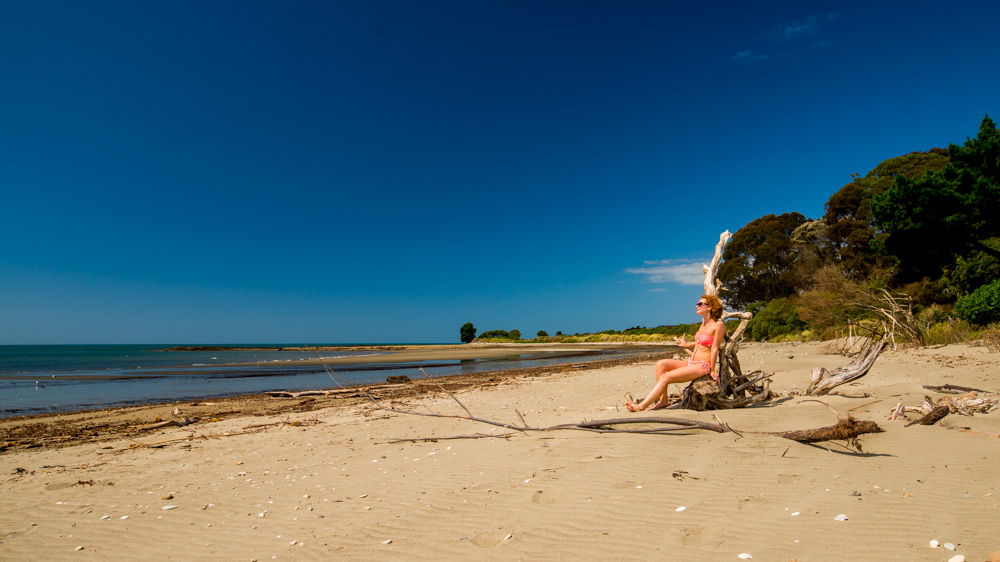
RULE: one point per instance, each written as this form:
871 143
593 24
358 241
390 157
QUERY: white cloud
801 28
684 272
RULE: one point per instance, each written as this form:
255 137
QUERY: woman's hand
715 377
681 341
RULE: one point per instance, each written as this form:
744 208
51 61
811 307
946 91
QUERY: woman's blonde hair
715 303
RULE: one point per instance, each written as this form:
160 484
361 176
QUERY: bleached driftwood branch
712 285
823 381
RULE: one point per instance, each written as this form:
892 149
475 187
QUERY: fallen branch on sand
846 429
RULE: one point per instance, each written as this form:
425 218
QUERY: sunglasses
702 304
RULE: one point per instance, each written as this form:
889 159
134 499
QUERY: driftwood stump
735 389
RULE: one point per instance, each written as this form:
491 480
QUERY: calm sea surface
53 378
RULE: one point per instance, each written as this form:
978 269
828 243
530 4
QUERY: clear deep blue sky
385 171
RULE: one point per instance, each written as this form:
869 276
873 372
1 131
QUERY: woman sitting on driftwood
704 353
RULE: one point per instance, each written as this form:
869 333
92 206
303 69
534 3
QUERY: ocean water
38 379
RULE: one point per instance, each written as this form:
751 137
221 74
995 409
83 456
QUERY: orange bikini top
704 339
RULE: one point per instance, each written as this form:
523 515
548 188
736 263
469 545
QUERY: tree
542 334
514 334
467 332
849 220
930 221
759 260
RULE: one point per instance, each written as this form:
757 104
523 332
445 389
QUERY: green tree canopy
542 334
930 221
467 332
759 261
849 219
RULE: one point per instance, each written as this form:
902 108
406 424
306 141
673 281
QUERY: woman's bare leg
679 374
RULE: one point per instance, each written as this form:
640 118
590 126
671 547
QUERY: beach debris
179 423
79 548
957 558
995 556
967 405
934 543
847 429
840 517
823 381
681 508
168 507
167 497
953 389
387 541
948 546
509 535
745 556
682 474
931 418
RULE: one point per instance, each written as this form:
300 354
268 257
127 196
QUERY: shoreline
150 380
66 428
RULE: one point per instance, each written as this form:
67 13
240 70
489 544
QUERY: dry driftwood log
823 381
846 429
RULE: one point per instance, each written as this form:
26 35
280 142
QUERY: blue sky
385 171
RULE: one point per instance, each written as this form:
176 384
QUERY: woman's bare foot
633 407
660 405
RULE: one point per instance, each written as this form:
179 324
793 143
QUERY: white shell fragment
169 507
681 508
957 558
745 556
841 517
934 543
949 546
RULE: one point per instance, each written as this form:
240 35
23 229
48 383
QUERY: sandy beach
346 479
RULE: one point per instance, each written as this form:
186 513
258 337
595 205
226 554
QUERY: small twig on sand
954 389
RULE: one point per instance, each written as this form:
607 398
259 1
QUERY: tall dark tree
759 261
467 332
930 221
849 219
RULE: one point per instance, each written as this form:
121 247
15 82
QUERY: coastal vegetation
914 242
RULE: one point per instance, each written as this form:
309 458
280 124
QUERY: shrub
542 334
779 318
982 306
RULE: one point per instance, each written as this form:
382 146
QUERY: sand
346 481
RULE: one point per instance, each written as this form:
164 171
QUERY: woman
704 353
